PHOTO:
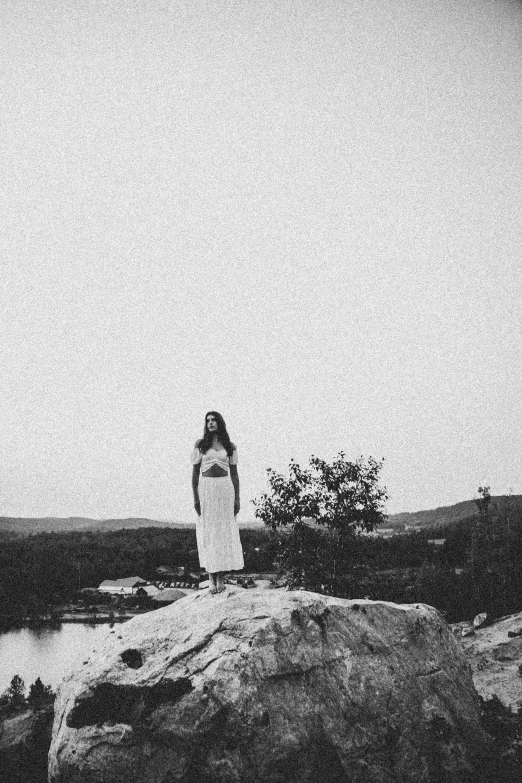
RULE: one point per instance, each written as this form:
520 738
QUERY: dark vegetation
478 568
14 697
42 572
504 764
25 728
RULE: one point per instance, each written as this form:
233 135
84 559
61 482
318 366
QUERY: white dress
217 532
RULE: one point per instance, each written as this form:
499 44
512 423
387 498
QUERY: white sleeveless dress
217 532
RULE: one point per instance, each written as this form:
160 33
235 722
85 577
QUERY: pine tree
15 694
39 694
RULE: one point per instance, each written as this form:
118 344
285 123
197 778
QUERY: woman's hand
237 506
197 506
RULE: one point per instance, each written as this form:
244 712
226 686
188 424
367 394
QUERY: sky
304 214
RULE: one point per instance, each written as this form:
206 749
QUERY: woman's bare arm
195 483
235 481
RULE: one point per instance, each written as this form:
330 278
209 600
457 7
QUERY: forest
477 568
46 570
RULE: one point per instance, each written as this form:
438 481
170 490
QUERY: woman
215 484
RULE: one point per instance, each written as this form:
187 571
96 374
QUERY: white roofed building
126 586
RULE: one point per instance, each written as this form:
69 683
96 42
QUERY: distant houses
379 532
150 590
127 586
141 588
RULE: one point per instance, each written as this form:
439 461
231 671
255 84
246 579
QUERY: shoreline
15 624
59 616
98 619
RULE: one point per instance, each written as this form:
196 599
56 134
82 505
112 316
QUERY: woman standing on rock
216 500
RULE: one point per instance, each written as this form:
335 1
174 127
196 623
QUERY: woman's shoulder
198 443
233 446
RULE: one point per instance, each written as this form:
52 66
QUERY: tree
480 552
319 513
40 694
15 694
483 503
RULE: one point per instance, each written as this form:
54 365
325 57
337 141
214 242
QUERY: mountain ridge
35 525
403 521
445 515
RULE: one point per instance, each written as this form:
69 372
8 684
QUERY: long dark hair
206 442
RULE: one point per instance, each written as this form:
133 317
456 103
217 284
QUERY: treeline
14 697
478 568
25 725
48 569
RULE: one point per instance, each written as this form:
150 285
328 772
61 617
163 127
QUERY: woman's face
212 423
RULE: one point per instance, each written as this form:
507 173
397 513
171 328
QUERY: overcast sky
305 214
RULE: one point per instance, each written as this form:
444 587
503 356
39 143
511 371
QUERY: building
127 586
150 590
385 532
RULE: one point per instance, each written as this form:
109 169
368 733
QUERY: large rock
270 686
495 655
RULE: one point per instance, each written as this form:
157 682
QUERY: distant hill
446 515
420 520
32 525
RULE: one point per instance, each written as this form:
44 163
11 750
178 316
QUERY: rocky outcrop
271 686
495 655
24 743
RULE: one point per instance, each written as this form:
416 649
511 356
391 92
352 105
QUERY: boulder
464 628
271 686
480 620
495 655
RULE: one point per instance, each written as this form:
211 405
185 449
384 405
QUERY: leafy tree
319 513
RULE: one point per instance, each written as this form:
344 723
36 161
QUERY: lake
48 653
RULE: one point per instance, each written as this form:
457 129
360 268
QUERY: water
48 653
